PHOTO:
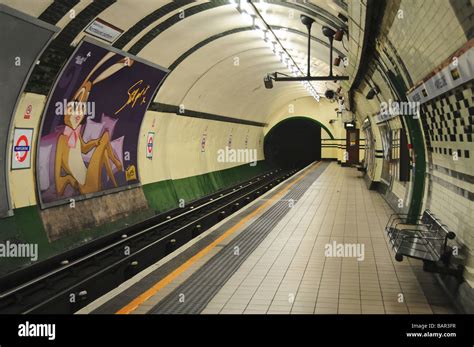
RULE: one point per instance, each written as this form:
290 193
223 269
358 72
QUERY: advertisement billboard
89 136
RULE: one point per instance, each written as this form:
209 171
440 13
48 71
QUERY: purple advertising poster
89 137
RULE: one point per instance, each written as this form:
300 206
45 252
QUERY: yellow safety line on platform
139 300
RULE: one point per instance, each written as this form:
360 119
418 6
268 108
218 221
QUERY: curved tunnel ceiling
201 40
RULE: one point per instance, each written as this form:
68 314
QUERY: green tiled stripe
26 226
165 195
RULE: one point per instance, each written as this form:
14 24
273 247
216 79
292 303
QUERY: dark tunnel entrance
293 142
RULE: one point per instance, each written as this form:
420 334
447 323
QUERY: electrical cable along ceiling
240 36
218 51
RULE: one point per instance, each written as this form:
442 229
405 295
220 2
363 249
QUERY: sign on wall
89 137
149 144
21 156
203 141
28 111
103 30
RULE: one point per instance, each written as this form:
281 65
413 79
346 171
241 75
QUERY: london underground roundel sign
149 144
21 156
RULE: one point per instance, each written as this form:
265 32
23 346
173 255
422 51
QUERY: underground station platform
249 167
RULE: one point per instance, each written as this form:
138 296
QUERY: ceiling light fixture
330 34
248 10
339 35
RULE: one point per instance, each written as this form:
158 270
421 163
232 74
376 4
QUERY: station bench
424 238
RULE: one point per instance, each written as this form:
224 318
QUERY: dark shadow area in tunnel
293 143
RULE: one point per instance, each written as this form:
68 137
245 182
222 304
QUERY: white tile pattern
289 272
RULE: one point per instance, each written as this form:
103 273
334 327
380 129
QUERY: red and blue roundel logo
21 148
150 145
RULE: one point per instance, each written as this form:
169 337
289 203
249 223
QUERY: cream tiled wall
426 34
177 145
23 182
417 37
176 154
450 178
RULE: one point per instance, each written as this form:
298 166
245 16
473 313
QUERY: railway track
67 282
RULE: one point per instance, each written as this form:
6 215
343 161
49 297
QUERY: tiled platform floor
289 272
